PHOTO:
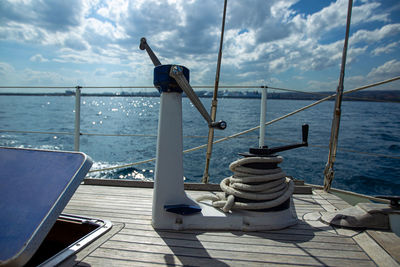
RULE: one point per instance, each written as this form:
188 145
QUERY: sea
368 157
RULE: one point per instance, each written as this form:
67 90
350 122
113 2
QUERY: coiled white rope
268 187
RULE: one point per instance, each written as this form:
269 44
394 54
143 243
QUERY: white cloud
355 81
375 35
263 39
113 9
278 65
387 49
104 31
388 70
123 75
326 19
315 85
20 32
335 16
367 12
38 58
100 72
6 69
53 16
29 76
75 42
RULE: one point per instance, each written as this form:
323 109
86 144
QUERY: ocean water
367 129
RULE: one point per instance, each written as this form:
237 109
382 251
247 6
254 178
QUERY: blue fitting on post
165 83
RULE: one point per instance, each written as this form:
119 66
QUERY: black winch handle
143 45
304 130
265 151
220 125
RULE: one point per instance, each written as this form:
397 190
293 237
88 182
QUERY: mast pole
214 102
333 142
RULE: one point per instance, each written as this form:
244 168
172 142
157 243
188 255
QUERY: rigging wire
326 94
273 121
195 86
237 135
214 102
192 136
209 87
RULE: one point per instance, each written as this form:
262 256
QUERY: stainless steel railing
77 131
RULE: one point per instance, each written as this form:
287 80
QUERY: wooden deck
133 242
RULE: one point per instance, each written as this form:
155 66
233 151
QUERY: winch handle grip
220 125
304 130
143 45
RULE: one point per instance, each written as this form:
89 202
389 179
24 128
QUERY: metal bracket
394 201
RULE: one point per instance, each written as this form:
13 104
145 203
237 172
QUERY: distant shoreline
387 95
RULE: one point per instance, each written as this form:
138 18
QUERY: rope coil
252 188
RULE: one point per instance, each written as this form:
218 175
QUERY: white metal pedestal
169 187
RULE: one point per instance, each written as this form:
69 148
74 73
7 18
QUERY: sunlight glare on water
365 126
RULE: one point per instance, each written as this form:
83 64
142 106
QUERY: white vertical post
77 131
168 177
263 116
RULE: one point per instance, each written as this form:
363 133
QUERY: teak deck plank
135 243
388 240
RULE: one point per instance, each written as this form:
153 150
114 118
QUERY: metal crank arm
176 72
143 45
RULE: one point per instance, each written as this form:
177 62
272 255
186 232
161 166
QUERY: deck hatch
68 235
35 186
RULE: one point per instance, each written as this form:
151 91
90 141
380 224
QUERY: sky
294 44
